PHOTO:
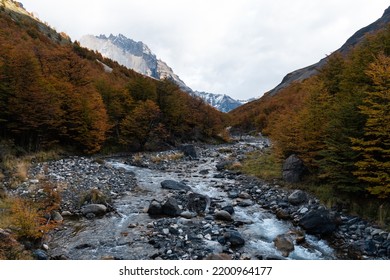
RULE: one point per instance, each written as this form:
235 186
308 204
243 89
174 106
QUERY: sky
241 48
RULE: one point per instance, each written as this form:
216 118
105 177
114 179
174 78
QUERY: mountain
138 57
355 39
221 102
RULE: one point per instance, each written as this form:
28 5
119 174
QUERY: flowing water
125 235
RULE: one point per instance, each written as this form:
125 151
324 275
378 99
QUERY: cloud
241 48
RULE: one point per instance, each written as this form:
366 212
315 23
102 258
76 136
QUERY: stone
223 215
234 237
297 197
223 165
293 169
174 185
198 203
318 221
283 214
56 216
244 195
245 203
189 150
155 208
40 255
229 209
284 243
96 209
171 208
187 214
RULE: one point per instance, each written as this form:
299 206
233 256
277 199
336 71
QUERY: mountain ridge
139 57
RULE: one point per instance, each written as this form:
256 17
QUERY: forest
55 93
337 122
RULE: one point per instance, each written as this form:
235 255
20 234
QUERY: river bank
218 214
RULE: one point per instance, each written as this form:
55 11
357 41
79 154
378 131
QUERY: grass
263 165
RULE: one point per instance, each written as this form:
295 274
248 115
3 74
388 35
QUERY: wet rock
95 209
245 203
223 215
189 151
319 221
283 214
174 185
284 243
297 197
198 203
293 169
171 208
155 208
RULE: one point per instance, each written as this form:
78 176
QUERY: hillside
336 120
54 92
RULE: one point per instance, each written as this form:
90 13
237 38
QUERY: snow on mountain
138 56
222 102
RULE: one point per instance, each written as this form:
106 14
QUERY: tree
143 125
374 146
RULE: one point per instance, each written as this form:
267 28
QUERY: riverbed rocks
319 221
284 243
174 185
91 210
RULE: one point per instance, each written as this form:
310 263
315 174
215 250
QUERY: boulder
229 209
223 215
171 208
189 151
95 209
40 255
198 203
234 238
293 169
223 165
174 185
319 221
155 208
56 216
284 243
297 197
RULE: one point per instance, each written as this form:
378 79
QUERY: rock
229 209
187 214
174 185
283 214
40 255
189 151
171 208
245 203
96 209
223 215
297 197
66 214
293 169
56 216
284 243
155 208
233 194
234 237
198 203
319 221
223 165
221 256
245 195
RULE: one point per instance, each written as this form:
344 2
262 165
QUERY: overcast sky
242 48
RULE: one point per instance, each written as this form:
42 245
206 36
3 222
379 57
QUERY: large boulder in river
198 203
319 221
174 185
171 208
155 208
284 243
293 169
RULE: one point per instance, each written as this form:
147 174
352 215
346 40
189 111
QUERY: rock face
319 221
293 169
174 185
